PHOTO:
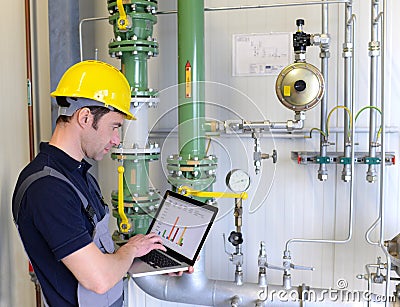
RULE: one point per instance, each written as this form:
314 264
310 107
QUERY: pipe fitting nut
300 57
320 39
374 53
371 178
347 54
374 45
322 177
346 177
300 116
289 125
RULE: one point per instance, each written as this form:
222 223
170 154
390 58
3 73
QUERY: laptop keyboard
158 260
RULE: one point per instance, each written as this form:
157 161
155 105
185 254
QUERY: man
57 204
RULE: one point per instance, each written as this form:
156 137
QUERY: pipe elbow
155 286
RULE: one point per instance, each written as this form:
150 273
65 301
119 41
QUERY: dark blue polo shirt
53 223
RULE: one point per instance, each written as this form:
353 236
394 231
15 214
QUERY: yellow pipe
123 22
124 225
191 192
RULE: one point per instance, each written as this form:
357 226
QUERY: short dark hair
97 112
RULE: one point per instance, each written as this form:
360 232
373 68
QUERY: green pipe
191 110
134 45
136 177
134 67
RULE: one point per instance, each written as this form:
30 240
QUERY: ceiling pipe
261 6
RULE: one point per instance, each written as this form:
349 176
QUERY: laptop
183 224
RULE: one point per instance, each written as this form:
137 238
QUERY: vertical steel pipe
374 52
323 172
348 87
383 154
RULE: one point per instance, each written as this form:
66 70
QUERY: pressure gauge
238 180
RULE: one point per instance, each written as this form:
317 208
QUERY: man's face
98 142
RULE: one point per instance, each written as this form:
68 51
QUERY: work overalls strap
46 171
101 237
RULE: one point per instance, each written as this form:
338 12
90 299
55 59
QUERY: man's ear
84 117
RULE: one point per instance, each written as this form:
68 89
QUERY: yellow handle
124 225
191 192
123 22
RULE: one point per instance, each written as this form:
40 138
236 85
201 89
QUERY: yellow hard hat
96 81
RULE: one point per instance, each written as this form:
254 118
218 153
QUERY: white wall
298 205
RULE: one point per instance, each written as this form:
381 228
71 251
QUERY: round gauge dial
238 180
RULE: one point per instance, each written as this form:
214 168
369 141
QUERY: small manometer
237 180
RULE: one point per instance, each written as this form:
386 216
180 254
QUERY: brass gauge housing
300 86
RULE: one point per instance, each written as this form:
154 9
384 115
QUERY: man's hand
143 244
109 268
189 271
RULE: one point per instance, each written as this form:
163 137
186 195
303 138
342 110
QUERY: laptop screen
183 223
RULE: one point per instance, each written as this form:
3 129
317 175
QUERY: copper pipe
29 77
28 48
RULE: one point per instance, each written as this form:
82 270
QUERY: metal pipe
383 136
348 87
384 130
31 130
351 203
289 126
134 46
262 6
80 32
369 286
28 48
383 153
191 108
350 222
369 231
197 289
374 52
191 167
63 41
280 134
380 220
324 54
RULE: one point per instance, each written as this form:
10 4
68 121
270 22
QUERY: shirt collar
63 158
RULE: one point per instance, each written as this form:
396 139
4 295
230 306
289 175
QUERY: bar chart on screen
181 225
